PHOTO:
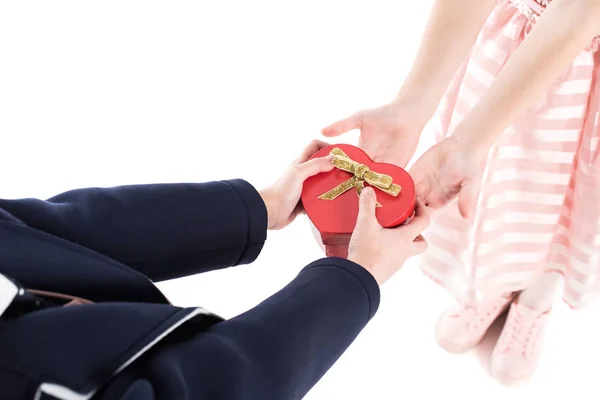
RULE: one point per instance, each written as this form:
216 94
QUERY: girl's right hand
389 133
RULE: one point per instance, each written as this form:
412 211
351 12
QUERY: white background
122 92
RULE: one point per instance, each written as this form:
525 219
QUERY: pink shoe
516 354
462 328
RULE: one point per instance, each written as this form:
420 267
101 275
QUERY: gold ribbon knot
362 174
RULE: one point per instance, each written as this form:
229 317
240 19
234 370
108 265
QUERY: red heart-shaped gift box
334 219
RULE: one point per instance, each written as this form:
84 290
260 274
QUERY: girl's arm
390 133
450 34
453 167
565 28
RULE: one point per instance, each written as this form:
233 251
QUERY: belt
16 300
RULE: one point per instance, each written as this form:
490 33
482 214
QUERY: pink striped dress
539 208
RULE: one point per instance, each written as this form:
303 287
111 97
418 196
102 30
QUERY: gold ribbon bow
362 174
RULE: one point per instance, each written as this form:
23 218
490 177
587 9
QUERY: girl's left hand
389 133
282 199
448 170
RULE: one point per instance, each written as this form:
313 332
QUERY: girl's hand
450 168
389 133
282 199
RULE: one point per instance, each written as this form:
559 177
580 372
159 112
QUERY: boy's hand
383 251
282 199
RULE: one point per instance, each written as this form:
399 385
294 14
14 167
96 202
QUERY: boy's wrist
270 201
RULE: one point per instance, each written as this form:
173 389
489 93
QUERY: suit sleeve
277 350
165 231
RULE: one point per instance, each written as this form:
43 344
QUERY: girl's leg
542 294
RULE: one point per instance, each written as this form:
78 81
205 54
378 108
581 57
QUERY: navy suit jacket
110 245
